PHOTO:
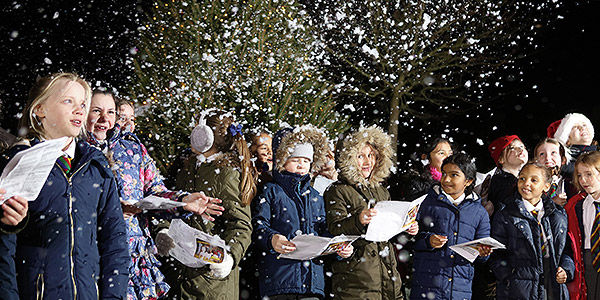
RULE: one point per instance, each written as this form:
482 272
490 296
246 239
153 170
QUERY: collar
456 202
539 207
200 158
71 149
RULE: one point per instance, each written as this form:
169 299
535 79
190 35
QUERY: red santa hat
561 129
498 145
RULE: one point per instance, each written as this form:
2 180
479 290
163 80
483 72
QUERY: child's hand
129 209
366 215
346 251
560 199
484 250
414 229
281 244
437 241
561 275
14 210
201 204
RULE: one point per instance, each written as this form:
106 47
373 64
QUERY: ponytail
249 174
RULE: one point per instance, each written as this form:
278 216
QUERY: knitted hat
498 145
565 125
303 150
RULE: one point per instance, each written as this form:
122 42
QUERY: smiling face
548 154
515 155
298 165
589 179
63 113
264 152
366 159
580 135
102 115
441 151
126 117
454 181
532 184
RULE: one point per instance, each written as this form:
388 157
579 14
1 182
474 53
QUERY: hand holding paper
14 210
281 244
392 218
470 250
310 246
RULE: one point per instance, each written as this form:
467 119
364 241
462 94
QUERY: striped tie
595 240
544 250
65 163
553 190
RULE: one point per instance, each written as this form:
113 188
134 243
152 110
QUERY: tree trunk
393 123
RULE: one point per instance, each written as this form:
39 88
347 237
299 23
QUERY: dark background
97 40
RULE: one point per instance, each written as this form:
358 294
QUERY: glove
164 242
223 269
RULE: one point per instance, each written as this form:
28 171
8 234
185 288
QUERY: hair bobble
235 129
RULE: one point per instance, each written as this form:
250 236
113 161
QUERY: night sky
96 40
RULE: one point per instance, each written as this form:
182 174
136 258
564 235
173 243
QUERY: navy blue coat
519 268
441 273
289 206
74 244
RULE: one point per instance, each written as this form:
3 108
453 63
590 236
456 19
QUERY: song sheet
311 246
154 202
195 248
469 250
392 218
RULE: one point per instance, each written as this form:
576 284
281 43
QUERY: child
262 152
74 244
536 262
126 112
576 132
364 160
287 207
582 210
510 155
552 154
449 215
222 168
137 177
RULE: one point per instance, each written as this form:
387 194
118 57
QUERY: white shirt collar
539 207
71 150
458 200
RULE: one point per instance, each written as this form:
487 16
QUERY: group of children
83 237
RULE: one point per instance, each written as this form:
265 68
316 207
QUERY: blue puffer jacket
519 269
74 245
441 273
289 207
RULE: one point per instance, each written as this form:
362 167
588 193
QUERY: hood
353 143
285 140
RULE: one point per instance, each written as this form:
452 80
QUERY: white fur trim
566 125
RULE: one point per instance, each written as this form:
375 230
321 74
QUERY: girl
137 177
536 262
222 168
364 159
449 215
262 152
74 244
510 155
550 153
279 213
582 210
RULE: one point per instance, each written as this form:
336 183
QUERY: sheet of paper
26 173
195 248
469 250
311 246
392 218
154 202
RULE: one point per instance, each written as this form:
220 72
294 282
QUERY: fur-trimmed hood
353 143
285 140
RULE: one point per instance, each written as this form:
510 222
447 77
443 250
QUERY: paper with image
26 173
469 250
311 246
195 248
392 218
154 202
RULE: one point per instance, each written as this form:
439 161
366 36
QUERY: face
454 181
264 152
532 184
580 135
548 154
126 117
298 165
102 116
441 151
63 113
516 155
366 160
589 179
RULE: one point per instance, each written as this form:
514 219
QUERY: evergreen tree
254 57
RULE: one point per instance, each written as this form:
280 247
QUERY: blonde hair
220 121
590 159
39 93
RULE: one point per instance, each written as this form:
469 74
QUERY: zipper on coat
39 286
72 231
